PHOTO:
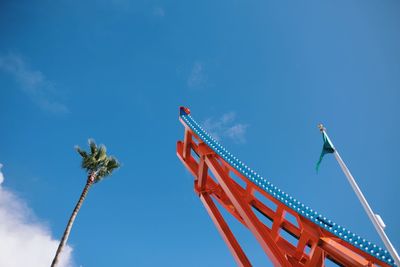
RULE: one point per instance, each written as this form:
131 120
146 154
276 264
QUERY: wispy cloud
24 240
159 12
33 83
197 77
226 126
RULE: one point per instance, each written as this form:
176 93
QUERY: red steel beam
226 233
215 181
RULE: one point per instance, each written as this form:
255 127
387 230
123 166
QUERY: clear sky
260 74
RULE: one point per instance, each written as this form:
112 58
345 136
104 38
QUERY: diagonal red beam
264 238
223 228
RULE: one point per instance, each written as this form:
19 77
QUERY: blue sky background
260 74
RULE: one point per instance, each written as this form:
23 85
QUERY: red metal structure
220 177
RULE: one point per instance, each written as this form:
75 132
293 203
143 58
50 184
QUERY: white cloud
32 82
1 175
197 77
237 132
23 240
225 126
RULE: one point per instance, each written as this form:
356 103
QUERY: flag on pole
327 147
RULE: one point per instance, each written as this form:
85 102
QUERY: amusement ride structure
221 177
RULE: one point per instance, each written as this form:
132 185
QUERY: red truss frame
216 180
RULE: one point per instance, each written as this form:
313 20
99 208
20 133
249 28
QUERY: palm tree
97 165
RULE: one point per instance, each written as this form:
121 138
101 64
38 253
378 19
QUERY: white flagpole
375 219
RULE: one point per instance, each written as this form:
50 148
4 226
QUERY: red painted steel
215 182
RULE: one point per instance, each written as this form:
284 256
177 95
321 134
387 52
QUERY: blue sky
260 74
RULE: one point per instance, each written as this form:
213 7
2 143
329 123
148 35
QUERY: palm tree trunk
72 219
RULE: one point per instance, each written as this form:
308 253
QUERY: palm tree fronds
113 163
89 163
101 153
81 152
97 161
93 146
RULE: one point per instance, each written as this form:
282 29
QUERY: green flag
327 148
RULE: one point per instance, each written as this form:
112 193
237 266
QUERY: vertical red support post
203 171
187 143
